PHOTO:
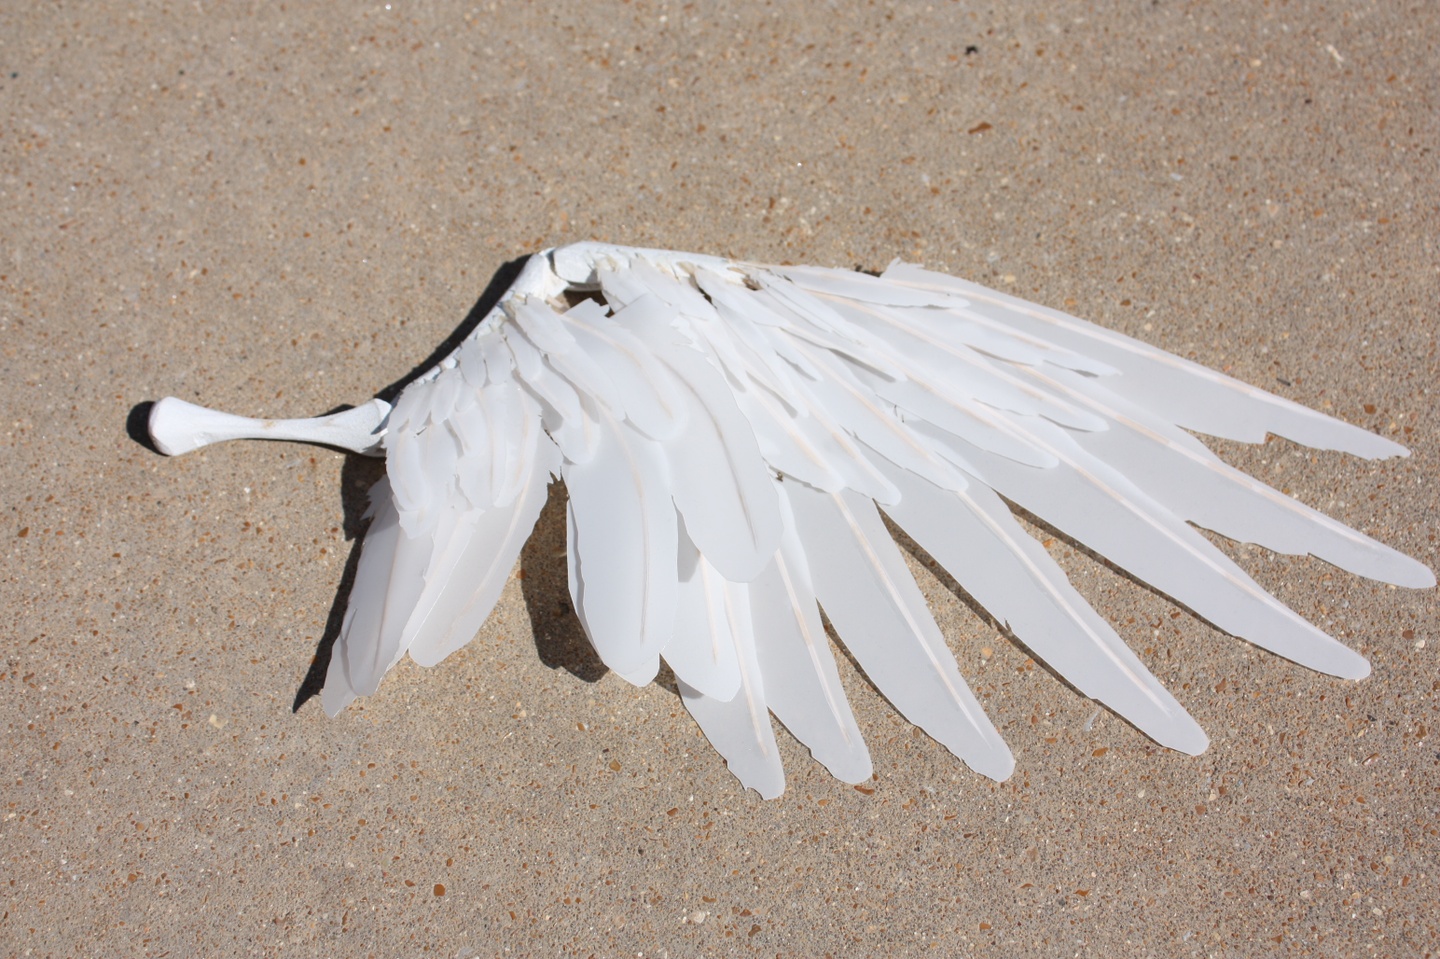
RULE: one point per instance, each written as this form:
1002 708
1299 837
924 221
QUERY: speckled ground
279 208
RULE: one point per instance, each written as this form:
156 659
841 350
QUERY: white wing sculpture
726 432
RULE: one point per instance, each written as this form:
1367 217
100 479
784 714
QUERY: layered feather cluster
729 435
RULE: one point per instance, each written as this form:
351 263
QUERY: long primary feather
1092 502
1186 393
709 611
722 486
804 688
976 538
623 548
1198 486
357 657
865 589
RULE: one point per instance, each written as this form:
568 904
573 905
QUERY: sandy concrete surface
278 208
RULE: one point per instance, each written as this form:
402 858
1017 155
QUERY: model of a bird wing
730 435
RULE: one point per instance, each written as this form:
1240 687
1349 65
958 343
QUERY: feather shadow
499 284
560 640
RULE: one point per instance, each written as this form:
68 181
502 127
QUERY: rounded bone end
178 427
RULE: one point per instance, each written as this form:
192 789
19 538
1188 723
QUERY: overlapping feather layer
726 432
